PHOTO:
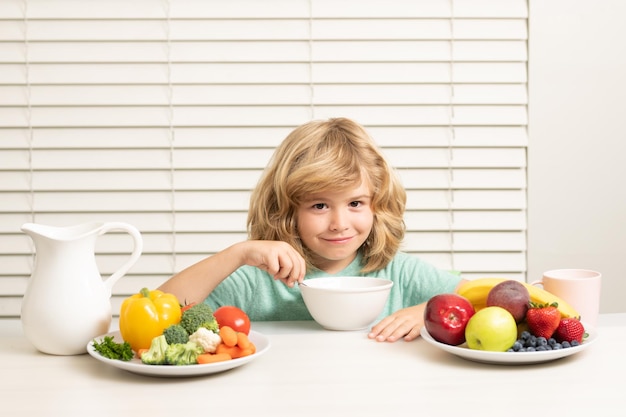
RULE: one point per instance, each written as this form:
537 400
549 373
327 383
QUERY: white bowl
345 303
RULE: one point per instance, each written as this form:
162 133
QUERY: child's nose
338 221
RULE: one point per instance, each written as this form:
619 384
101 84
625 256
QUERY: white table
309 371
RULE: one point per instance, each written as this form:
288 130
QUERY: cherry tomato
233 317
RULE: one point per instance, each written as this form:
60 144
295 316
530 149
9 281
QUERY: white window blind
162 114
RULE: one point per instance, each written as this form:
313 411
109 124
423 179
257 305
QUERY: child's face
334 225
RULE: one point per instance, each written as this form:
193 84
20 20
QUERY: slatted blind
162 114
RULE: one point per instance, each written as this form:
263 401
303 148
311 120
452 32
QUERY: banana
477 290
540 296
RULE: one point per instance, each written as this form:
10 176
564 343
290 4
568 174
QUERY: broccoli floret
176 334
198 315
211 325
183 353
156 354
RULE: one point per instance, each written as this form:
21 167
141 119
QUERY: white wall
577 149
162 115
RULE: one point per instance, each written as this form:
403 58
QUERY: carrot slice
246 352
205 358
243 341
228 335
233 351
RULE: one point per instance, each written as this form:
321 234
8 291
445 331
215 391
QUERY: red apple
446 316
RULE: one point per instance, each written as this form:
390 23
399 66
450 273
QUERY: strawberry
569 329
543 319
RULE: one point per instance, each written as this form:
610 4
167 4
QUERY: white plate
135 365
509 358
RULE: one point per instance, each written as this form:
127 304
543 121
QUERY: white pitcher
67 303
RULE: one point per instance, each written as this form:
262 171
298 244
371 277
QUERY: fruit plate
135 365
510 358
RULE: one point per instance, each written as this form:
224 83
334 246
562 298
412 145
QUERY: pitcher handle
134 256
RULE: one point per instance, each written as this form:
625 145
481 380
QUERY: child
328 203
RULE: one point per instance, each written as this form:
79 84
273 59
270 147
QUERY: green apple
491 328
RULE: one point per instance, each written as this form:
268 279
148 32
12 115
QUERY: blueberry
565 344
552 341
525 335
542 341
557 346
541 348
517 346
530 349
574 343
531 342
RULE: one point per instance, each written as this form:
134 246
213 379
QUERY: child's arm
196 282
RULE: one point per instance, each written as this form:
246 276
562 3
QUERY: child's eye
355 203
319 206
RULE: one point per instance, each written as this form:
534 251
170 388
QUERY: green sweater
264 299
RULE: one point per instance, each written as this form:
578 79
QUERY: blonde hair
335 154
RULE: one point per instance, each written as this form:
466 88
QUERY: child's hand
278 258
405 323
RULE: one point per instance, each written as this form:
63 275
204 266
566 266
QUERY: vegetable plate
135 365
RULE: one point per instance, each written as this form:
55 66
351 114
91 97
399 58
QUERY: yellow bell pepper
145 315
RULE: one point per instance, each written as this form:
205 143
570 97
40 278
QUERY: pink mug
579 287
